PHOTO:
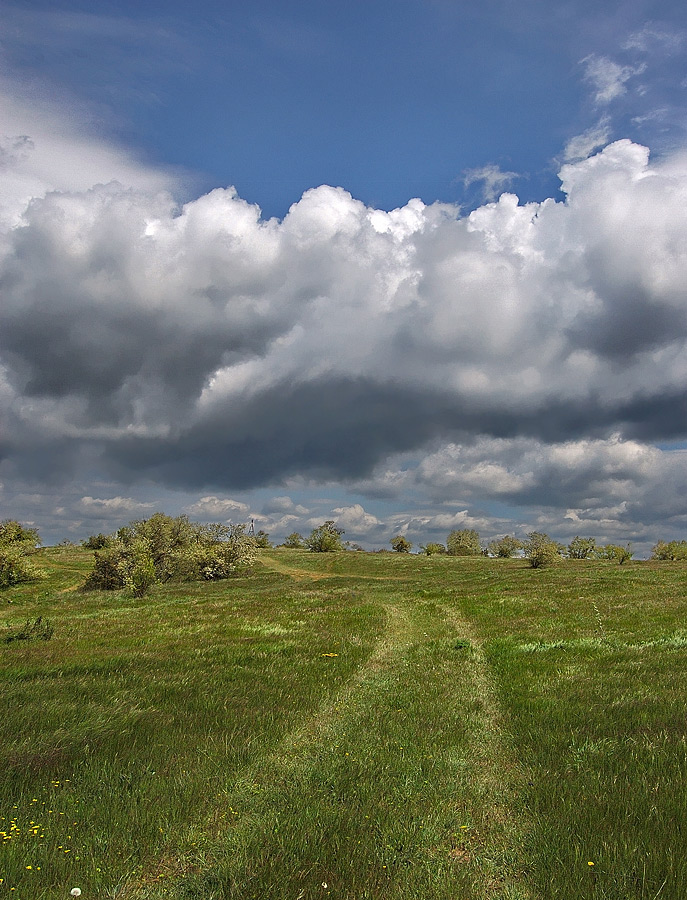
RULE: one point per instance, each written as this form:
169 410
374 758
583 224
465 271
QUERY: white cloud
492 178
113 506
42 150
583 145
212 507
284 505
652 37
224 352
354 519
608 78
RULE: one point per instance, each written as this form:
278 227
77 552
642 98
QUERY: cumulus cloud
614 489
284 506
42 150
206 348
212 507
354 518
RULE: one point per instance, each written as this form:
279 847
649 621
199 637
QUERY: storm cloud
201 346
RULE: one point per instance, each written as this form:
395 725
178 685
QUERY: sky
410 265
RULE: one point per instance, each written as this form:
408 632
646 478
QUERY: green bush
262 540
581 548
433 549
614 552
541 550
294 541
12 532
325 538
162 549
504 547
17 544
96 542
40 630
464 542
400 544
16 567
673 550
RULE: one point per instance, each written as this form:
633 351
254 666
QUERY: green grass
350 726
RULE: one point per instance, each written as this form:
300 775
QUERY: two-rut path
427 653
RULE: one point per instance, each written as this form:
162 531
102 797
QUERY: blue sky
390 100
465 361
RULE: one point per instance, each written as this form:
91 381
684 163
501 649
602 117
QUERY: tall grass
348 725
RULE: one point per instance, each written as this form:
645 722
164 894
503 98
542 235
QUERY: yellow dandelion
590 863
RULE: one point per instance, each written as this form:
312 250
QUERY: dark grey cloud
201 347
333 429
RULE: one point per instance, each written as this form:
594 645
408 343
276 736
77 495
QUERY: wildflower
75 892
590 863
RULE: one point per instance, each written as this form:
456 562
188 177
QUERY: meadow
348 725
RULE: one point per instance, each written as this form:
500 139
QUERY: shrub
221 559
673 550
160 549
614 552
400 544
96 542
262 540
294 541
541 550
12 532
433 549
110 568
463 543
325 538
581 548
16 567
504 547
17 543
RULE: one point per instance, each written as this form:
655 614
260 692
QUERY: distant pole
251 530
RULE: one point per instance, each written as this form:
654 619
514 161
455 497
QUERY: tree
96 542
17 544
581 548
262 540
463 543
294 541
400 544
325 538
541 550
673 550
12 532
504 547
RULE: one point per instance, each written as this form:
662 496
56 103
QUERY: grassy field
352 726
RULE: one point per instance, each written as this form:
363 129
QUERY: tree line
538 548
163 548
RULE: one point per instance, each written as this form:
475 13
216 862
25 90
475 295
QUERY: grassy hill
348 725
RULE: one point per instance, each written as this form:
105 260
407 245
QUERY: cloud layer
202 347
